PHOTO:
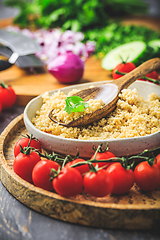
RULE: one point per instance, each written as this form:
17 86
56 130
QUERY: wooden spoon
108 93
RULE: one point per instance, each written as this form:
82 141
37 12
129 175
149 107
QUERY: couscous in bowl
121 146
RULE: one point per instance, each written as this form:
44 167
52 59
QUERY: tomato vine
102 174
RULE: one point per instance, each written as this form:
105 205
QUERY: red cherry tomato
146 176
68 183
23 165
104 155
124 68
153 75
82 169
0 107
7 96
158 163
24 143
123 179
158 160
98 184
41 174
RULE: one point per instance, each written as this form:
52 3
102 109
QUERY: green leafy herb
76 15
75 104
100 21
115 34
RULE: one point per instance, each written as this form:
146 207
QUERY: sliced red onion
56 42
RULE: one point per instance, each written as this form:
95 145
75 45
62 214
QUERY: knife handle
4 65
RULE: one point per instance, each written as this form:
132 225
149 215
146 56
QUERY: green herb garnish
75 104
74 15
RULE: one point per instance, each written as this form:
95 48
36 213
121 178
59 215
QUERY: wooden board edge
65 210
4 137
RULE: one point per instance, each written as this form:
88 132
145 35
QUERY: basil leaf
75 104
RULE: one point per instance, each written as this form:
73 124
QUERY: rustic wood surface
134 210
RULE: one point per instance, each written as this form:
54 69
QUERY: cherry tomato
41 174
24 143
103 156
146 176
82 169
124 68
23 165
98 184
158 163
123 179
153 75
158 160
68 183
7 96
0 107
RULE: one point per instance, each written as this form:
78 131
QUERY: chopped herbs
115 34
78 15
100 21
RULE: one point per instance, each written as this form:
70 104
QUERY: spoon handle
142 70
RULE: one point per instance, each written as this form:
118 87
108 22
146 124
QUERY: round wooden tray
134 210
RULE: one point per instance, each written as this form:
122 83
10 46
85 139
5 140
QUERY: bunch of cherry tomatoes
126 67
7 96
102 174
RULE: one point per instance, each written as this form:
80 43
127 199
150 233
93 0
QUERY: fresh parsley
75 104
75 15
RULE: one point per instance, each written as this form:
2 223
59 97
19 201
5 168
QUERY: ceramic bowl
120 147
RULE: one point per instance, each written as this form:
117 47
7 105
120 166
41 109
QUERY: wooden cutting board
133 210
28 85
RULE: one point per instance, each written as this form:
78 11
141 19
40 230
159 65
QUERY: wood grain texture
134 210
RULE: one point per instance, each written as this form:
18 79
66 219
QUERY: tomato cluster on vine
7 96
101 175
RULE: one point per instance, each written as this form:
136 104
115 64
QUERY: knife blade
28 61
19 44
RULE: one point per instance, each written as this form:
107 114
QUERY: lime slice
129 52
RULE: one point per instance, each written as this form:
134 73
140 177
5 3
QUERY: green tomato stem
30 140
54 173
144 77
3 85
27 150
123 160
99 149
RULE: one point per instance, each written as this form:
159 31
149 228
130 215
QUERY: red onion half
67 68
